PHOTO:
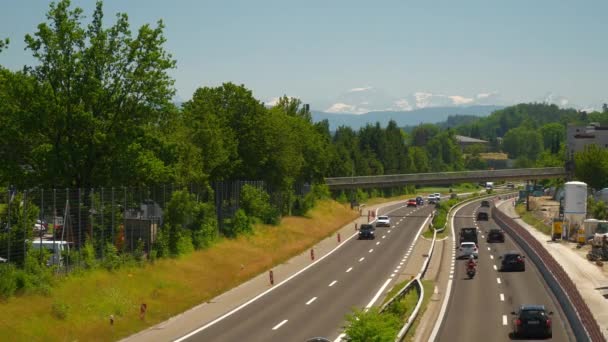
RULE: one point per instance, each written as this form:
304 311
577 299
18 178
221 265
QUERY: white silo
575 206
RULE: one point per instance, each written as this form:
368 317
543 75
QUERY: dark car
367 231
485 203
495 235
468 235
532 321
512 261
419 200
482 216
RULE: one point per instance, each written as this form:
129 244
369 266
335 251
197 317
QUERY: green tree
4 44
96 94
554 135
591 166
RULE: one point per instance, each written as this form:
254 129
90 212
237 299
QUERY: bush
88 255
60 310
342 198
8 280
111 260
372 326
241 223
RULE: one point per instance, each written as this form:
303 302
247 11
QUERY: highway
479 309
315 302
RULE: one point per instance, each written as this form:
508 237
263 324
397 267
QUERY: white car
437 196
383 221
466 249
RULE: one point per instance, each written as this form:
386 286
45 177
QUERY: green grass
428 286
529 218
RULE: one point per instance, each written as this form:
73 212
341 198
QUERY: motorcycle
471 272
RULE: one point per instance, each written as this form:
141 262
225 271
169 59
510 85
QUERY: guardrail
416 283
584 326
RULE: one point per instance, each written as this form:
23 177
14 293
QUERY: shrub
8 280
60 310
241 223
139 253
88 255
342 197
111 260
372 326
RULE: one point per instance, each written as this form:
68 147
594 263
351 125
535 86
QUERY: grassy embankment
410 300
529 218
79 307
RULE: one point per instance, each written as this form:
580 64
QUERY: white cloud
345 108
402 104
486 95
423 99
460 100
272 102
354 90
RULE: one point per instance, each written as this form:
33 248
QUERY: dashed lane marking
371 250
311 300
502 297
504 319
348 270
279 325
333 283
495 268
363 258
498 280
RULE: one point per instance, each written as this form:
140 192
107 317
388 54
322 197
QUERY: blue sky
357 56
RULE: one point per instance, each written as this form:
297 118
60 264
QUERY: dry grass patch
494 156
79 307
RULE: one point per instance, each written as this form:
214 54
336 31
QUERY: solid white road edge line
279 325
311 300
340 337
382 288
196 331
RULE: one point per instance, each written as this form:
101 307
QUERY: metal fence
63 220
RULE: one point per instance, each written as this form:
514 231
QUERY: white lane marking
371 250
230 313
348 270
377 243
483 237
333 283
504 319
383 236
491 257
311 300
401 264
382 288
495 268
498 280
279 325
340 337
502 297
361 259
389 230
398 267
488 248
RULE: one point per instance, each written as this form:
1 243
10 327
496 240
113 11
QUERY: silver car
383 221
466 249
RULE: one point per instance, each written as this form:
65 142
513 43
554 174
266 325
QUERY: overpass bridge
385 181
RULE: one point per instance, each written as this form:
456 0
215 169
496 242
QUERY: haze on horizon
355 56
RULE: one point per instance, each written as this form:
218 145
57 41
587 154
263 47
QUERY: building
577 137
468 141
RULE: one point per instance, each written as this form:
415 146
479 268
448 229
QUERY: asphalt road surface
315 302
479 309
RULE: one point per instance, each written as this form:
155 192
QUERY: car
367 231
532 320
482 216
2 260
512 261
431 199
437 196
467 249
41 226
383 221
468 234
419 200
495 235
485 203
412 203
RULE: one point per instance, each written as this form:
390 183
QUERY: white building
577 137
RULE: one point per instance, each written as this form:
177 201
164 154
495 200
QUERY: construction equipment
599 244
556 231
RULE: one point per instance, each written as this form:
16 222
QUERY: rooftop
463 139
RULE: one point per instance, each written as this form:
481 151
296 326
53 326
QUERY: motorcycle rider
471 264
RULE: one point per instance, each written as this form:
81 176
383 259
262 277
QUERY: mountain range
402 118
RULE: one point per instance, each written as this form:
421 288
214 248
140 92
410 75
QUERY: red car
412 203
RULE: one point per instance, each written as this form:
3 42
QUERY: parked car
485 203
41 226
367 231
512 261
412 203
495 235
482 216
532 321
383 221
419 200
467 249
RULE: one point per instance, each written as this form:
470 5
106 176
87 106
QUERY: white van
57 248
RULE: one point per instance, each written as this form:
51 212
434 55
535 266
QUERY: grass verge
79 307
529 218
428 286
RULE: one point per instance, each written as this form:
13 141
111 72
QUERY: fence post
8 253
312 254
271 275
